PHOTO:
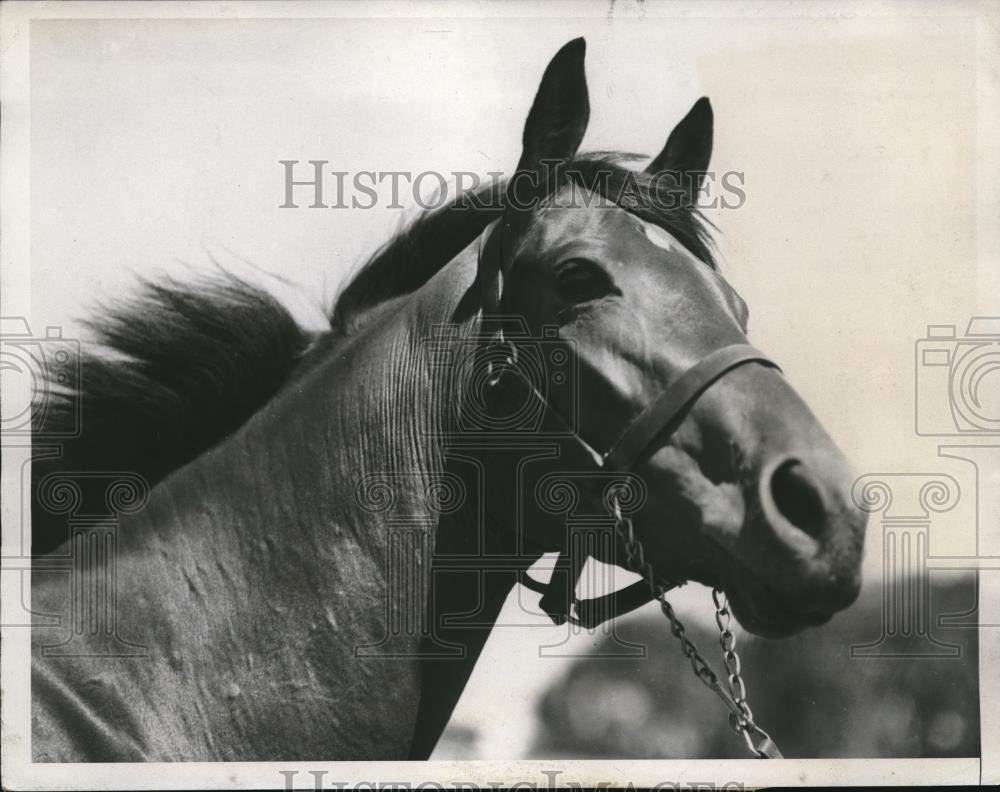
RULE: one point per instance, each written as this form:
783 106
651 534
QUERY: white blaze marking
659 237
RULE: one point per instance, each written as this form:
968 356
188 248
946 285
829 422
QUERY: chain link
734 695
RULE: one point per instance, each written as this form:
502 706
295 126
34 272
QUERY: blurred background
807 692
864 139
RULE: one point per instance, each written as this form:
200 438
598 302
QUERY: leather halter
658 420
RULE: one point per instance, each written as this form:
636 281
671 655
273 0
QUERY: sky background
155 147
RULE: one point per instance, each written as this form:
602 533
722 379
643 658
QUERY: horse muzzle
797 558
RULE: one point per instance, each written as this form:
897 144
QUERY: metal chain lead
741 718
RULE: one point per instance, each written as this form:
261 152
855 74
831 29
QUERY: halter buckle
494 373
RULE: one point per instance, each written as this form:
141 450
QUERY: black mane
180 366
172 371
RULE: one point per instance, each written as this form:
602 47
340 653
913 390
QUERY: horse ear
552 134
689 147
559 115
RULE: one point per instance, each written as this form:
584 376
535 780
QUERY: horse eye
580 280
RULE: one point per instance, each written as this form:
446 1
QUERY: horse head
744 490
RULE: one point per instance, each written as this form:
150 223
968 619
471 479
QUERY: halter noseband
659 419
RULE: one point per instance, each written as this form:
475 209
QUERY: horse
303 538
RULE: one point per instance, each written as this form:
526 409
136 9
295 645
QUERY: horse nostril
797 498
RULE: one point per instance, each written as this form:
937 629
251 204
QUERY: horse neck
355 447
322 503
